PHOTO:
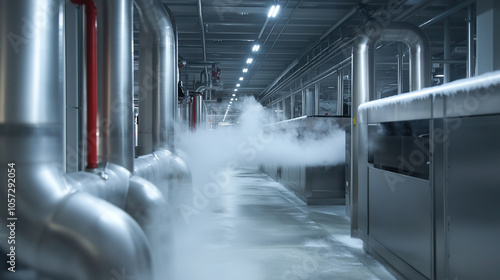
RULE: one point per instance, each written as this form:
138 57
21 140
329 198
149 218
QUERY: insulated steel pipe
61 233
158 22
363 79
91 45
115 82
147 84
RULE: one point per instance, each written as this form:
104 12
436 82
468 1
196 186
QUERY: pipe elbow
109 183
94 240
145 203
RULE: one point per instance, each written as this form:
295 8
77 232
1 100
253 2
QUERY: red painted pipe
91 26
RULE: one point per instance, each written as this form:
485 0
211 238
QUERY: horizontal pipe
447 13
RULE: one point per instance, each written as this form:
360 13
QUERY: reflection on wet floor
255 229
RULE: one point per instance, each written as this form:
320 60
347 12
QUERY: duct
363 78
115 82
63 234
159 23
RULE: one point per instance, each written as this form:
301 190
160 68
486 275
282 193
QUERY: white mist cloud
255 141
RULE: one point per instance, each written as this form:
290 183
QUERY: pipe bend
405 32
109 183
110 244
145 203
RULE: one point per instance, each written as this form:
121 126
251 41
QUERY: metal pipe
115 82
340 22
470 42
363 79
400 69
91 49
154 15
340 94
59 226
316 98
208 88
446 50
447 13
202 25
290 67
147 84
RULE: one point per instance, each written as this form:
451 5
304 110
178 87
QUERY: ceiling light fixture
238 85
245 70
273 11
256 48
241 78
235 89
250 60
234 94
232 99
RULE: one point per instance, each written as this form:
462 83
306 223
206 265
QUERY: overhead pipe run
93 238
363 84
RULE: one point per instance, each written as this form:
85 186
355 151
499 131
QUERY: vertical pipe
470 42
292 106
115 82
446 50
363 90
316 98
147 83
91 28
340 94
400 69
303 106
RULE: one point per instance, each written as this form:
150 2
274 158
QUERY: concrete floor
255 229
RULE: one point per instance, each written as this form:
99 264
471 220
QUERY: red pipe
91 26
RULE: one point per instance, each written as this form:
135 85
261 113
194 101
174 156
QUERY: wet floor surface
255 229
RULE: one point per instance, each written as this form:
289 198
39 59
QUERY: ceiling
233 27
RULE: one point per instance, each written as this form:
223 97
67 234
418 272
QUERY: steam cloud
253 141
256 141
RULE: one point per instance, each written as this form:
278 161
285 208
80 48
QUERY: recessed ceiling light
231 102
245 70
256 48
235 89
250 60
234 94
236 99
241 78
238 85
232 99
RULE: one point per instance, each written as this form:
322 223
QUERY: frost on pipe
485 81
